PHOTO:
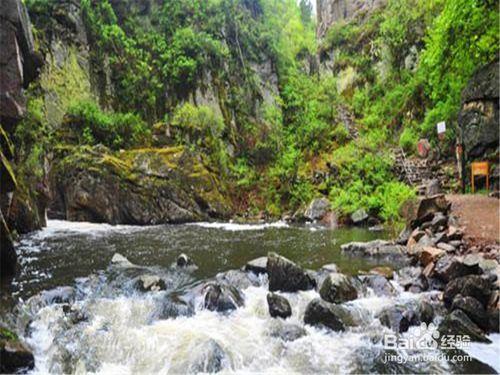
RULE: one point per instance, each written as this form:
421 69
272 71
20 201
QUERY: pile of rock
430 232
469 282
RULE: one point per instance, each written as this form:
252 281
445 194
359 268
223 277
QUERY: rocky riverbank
442 260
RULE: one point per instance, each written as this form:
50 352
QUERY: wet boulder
449 267
468 286
379 284
119 260
238 278
331 267
397 318
150 283
184 261
221 297
60 294
286 276
374 248
15 356
175 305
257 266
279 307
287 332
458 323
425 312
74 314
359 216
412 279
320 275
321 313
337 288
210 357
473 309
317 209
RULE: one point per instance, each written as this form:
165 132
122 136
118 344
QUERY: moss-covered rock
14 355
142 186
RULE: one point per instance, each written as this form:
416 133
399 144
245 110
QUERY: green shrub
114 130
408 139
201 128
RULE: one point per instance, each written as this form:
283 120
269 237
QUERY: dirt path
479 215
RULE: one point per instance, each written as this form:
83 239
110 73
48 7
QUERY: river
122 330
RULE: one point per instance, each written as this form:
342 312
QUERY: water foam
56 228
240 227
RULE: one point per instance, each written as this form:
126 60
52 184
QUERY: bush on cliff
91 125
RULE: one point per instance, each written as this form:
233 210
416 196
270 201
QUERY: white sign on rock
441 127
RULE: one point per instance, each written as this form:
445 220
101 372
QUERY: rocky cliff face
19 65
332 11
142 187
479 116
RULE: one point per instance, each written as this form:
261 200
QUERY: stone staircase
419 172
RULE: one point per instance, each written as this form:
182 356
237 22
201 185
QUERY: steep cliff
479 115
332 11
18 67
141 187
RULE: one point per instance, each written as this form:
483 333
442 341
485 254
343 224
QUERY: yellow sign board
480 168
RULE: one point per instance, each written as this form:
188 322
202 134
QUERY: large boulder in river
479 115
15 356
397 318
221 297
146 186
322 313
338 288
378 284
286 276
279 307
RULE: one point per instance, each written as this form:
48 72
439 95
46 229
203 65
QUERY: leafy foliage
396 72
114 130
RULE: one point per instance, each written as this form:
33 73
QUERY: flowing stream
81 315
